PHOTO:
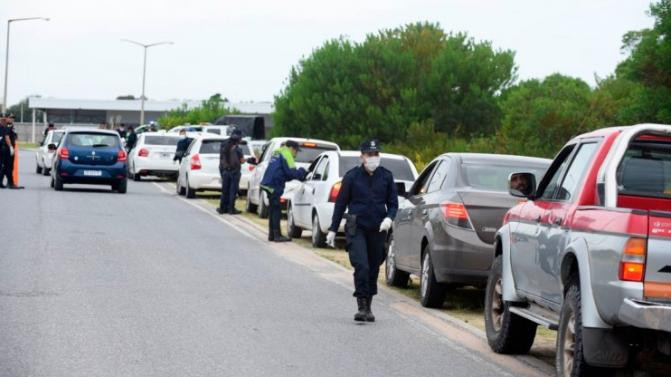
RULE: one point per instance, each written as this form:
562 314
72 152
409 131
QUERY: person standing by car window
8 153
50 127
369 193
230 162
182 146
131 140
281 169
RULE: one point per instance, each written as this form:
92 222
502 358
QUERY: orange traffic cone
16 165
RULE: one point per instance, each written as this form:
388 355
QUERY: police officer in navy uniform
7 153
230 164
369 194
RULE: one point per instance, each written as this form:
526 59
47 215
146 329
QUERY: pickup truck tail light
63 153
195 162
144 152
456 214
335 190
632 264
121 156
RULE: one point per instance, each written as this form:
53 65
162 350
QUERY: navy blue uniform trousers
366 254
230 184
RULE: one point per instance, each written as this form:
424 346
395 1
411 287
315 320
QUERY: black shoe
281 238
369 314
14 187
360 316
235 212
271 237
2 186
220 211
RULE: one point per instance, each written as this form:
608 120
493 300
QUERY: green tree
208 112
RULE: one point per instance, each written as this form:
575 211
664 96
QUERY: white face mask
371 163
183 136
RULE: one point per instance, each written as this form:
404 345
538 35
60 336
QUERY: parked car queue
459 221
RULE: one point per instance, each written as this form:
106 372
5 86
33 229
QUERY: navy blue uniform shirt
370 197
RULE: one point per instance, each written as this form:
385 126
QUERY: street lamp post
9 22
144 69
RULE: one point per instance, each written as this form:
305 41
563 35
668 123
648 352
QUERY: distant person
49 127
8 153
122 130
520 183
231 159
131 139
182 146
280 170
153 127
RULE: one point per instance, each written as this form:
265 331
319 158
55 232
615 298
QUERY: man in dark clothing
7 154
280 170
131 139
182 146
369 193
50 127
230 162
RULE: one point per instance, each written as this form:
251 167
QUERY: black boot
362 303
271 236
220 211
278 237
369 314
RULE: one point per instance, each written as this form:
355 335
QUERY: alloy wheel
391 264
569 345
424 284
497 306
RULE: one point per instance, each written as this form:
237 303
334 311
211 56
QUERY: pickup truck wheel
432 293
506 332
569 358
292 230
394 276
58 184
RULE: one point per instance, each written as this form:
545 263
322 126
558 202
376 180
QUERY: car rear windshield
645 170
210 146
57 137
92 139
494 177
309 152
400 168
161 140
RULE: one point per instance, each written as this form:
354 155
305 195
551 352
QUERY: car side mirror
400 189
316 176
51 147
252 161
522 185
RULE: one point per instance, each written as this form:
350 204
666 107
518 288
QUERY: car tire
292 230
136 177
318 237
569 359
262 208
394 276
178 188
189 192
121 187
249 207
45 172
38 169
506 332
51 183
432 293
58 183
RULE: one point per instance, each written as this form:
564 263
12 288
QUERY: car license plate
93 173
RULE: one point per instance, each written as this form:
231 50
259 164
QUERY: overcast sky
244 49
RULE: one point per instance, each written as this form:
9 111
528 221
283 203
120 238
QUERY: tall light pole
144 69
9 23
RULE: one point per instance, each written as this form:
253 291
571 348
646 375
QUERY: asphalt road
95 283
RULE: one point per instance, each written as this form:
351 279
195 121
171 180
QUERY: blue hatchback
93 157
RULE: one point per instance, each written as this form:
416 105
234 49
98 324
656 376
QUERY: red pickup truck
589 254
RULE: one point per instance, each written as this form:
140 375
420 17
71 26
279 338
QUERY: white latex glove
11 150
386 225
330 239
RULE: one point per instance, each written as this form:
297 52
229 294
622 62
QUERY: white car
44 155
257 200
312 204
153 155
222 130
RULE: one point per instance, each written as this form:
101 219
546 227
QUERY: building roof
134 105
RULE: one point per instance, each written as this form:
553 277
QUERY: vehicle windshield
494 177
56 138
645 170
307 154
92 139
210 146
400 168
161 140
245 150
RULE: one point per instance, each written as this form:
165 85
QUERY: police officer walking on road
7 151
280 170
230 162
369 194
